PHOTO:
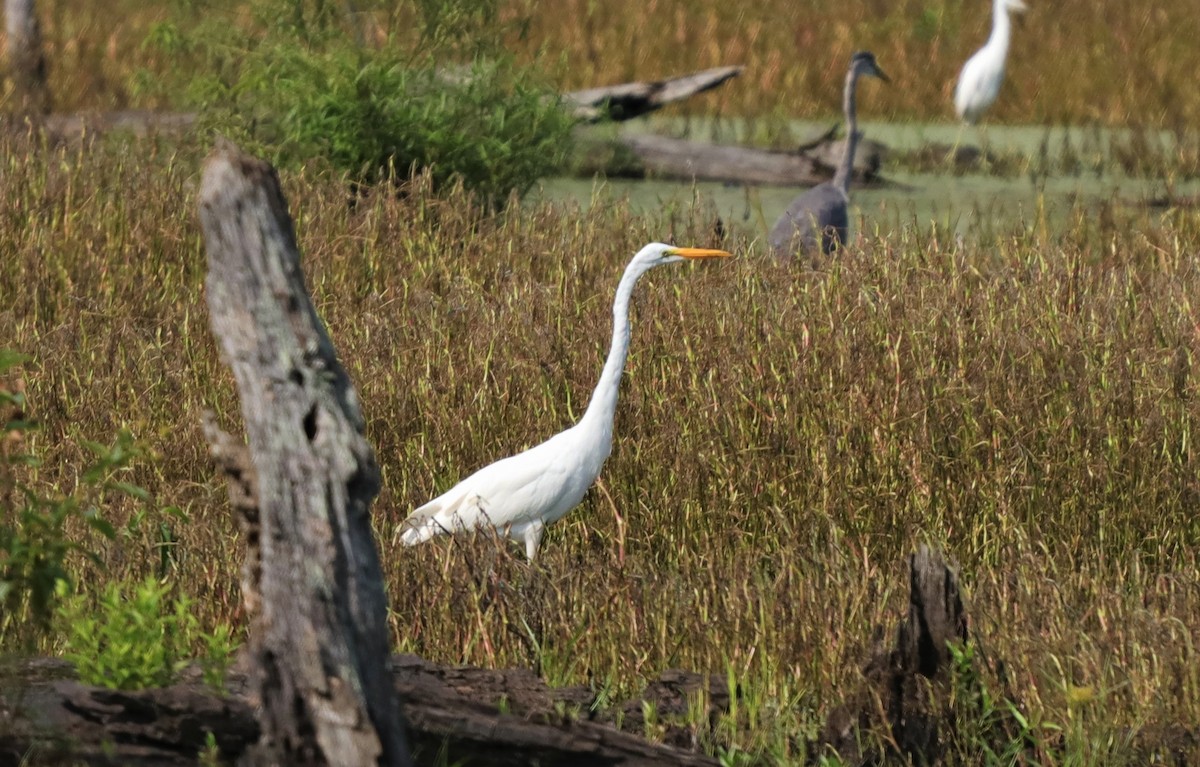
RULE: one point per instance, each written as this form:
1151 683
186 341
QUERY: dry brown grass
1070 61
1126 62
783 440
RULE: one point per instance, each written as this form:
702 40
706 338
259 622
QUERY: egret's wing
978 84
511 490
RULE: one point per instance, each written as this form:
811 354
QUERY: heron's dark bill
698 253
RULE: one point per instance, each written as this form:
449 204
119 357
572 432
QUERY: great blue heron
979 81
819 216
521 494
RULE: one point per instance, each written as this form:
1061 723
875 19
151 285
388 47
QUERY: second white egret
980 79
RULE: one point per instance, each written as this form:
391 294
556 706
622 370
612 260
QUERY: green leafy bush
303 85
366 113
138 636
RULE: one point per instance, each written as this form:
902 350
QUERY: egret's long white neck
1001 29
603 406
845 170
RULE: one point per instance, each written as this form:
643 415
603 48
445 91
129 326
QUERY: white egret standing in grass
521 494
980 79
820 217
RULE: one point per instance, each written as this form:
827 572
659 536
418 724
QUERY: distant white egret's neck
1001 27
603 406
845 170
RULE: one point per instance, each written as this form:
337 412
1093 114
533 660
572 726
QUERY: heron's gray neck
603 405
846 169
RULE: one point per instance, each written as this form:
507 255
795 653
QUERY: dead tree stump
899 676
26 63
935 619
319 637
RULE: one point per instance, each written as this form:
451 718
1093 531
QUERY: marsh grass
784 437
1132 64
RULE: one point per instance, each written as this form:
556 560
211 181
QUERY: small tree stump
900 676
26 64
319 637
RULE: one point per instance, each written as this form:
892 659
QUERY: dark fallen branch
629 100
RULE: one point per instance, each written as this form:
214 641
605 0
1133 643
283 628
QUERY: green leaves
36 541
370 115
140 636
10 359
312 90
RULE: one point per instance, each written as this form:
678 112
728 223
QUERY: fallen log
662 157
611 102
451 711
81 126
629 100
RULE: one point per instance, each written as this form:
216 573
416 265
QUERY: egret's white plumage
521 494
979 81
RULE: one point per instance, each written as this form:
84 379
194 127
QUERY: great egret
979 81
819 216
521 494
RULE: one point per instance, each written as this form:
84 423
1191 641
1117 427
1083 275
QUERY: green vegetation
121 635
299 82
35 537
1027 402
138 636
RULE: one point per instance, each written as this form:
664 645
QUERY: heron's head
1015 5
657 253
863 62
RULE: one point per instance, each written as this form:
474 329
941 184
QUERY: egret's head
863 62
1015 5
657 253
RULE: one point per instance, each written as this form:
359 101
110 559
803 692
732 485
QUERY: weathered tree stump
26 63
899 676
319 638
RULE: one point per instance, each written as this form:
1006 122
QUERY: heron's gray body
820 217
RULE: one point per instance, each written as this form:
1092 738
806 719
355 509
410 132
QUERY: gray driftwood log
643 155
319 638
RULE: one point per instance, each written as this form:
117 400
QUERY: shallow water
970 205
